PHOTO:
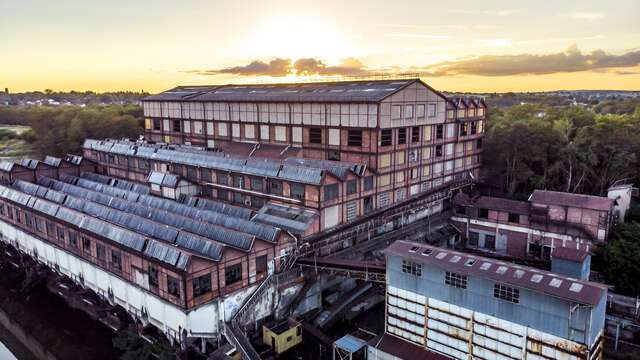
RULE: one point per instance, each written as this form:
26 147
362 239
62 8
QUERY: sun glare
298 37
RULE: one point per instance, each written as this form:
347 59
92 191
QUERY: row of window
512 217
407 111
333 136
500 291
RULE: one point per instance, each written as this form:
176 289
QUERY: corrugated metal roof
237 232
162 252
525 277
293 169
200 245
6 165
572 200
52 161
340 91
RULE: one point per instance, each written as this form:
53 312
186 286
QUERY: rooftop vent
414 249
427 252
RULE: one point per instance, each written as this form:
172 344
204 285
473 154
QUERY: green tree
620 260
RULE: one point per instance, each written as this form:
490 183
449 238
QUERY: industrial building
533 228
463 306
181 266
411 137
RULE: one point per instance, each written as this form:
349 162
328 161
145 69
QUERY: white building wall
462 333
166 316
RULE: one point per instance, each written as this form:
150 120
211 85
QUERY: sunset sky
459 45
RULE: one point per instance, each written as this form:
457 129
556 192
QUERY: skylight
455 259
536 278
441 255
414 249
470 262
555 282
518 274
501 270
575 287
485 266
427 252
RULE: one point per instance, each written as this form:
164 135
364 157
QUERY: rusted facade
412 137
136 236
533 228
467 306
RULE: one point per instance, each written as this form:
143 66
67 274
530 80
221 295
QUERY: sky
470 46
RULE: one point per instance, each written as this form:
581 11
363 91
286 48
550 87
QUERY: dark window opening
315 135
473 239
463 129
86 244
438 150
386 137
483 213
153 276
514 218
439 131
223 179
334 155
232 274
173 286
60 235
101 252
201 285
402 136
507 293
261 264
257 184
330 192
192 173
479 144
474 127
490 242
205 174
352 187
297 191
156 124
415 134
354 138
238 181
116 260
176 125
368 204
275 187
455 280
368 183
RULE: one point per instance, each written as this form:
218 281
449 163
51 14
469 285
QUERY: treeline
571 149
79 97
61 130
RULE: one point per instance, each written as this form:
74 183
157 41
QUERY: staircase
233 330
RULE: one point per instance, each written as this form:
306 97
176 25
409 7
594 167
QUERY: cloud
279 67
584 15
311 66
572 60
275 67
499 12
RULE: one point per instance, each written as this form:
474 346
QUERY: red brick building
533 228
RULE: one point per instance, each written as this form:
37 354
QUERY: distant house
5 99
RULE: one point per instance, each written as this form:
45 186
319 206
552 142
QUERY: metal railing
233 330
